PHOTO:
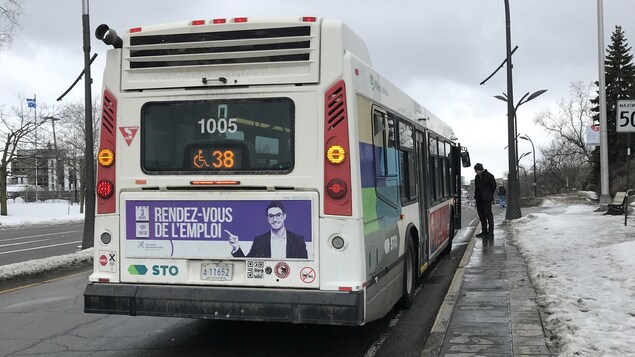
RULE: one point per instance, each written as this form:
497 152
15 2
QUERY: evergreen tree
620 84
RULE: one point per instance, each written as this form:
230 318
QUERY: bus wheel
409 276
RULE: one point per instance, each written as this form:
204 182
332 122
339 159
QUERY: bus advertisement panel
219 229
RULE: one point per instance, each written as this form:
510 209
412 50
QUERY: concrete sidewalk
490 308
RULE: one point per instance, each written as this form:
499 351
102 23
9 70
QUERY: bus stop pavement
490 308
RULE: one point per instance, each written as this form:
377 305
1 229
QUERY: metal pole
628 161
89 220
513 206
605 198
35 121
56 154
535 185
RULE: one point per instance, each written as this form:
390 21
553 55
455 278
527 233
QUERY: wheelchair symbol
199 160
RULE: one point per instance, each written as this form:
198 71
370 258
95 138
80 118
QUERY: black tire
409 276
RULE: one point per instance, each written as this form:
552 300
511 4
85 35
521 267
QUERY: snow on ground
582 266
53 212
32 267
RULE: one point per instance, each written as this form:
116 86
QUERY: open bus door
459 157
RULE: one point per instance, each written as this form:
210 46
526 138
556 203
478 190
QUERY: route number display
216 158
625 120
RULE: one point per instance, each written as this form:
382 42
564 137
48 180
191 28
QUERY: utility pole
605 198
89 215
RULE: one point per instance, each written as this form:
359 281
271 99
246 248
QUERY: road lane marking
43 247
22 243
43 282
38 235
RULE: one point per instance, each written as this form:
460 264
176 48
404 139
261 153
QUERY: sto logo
163 270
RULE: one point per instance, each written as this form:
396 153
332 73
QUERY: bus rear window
217 136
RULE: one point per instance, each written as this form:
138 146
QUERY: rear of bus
214 133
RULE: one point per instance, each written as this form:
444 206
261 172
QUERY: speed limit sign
625 120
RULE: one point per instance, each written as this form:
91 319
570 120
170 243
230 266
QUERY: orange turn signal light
336 154
106 157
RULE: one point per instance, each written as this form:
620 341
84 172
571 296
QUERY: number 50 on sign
625 116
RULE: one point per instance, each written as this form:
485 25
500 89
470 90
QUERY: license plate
213 271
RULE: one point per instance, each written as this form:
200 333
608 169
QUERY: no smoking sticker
307 275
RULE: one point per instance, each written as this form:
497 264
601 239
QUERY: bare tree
567 156
73 138
10 11
568 125
14 132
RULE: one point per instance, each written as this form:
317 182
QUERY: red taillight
309 19
240 19
135 29
336 188
337 165
219 21
105 188
198 22
106 170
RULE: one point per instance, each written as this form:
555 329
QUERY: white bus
261 169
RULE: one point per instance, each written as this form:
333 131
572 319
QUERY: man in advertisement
278 243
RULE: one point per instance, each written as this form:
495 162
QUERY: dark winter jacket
484 186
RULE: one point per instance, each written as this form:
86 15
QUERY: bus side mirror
465 159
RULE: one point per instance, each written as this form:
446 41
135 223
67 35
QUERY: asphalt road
47 318
18 244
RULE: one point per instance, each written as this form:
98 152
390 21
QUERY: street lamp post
513 181
513 207
526 137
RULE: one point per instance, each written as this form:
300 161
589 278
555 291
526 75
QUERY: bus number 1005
222 125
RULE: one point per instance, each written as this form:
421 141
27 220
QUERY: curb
15 282
38 270
434 343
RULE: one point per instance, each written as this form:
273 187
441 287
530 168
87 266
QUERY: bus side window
385 156
407 163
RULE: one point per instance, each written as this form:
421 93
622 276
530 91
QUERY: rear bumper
226 303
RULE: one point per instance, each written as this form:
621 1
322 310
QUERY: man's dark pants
484 210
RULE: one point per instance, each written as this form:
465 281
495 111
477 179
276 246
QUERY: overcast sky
436 51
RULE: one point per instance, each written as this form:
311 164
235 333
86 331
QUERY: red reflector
105 188
135 29
345 288
219 21
240 19
336 188
104 280
309 19
198 22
